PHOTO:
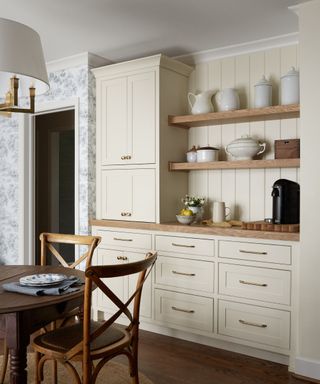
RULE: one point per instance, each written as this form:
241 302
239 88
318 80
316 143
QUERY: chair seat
63 339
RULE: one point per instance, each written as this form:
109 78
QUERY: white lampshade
21 54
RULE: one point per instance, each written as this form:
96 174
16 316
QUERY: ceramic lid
263 81
244 140
292 72
208 148
193 149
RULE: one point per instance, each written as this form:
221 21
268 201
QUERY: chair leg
4 362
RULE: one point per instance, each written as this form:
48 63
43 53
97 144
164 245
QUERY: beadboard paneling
246 192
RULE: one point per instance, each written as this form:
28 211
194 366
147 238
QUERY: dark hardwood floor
166 360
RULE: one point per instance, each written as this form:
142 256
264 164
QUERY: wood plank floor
166 360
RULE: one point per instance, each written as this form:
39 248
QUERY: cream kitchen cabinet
134 99
125 192
127 111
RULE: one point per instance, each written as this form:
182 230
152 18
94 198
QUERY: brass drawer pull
252 283
253 324
126 157
183 310
122 258
123 157
119 239
183 273
125 214
252 252
183 245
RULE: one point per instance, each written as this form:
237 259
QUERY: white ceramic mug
220 212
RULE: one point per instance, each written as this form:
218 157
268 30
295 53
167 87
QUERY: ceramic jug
200 103
227 100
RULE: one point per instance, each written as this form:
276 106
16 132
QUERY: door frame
27 174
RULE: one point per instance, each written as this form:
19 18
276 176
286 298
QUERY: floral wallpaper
76 82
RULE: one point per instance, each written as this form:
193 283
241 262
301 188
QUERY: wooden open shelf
238 116
240 164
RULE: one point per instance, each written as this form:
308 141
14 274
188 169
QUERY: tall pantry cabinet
134 142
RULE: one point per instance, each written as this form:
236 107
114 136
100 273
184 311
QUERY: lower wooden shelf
239 164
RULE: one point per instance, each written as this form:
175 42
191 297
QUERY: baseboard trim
307 368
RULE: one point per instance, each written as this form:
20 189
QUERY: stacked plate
44 279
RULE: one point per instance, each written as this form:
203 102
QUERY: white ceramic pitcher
227 100
200 103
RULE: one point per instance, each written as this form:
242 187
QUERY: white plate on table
42 279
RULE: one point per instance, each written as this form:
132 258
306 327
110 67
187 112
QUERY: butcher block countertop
197 229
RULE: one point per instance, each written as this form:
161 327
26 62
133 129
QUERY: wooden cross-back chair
90 340
48 243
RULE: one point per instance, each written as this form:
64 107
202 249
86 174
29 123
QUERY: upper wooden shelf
237 116
239 164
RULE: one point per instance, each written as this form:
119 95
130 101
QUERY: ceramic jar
205 154
263 93
290 90
245 148
192 155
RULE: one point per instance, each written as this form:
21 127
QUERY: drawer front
252 323
185 273
124 239
181 310
271 285
266 253
185 245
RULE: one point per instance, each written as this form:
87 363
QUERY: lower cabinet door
180 310
253 323
128 194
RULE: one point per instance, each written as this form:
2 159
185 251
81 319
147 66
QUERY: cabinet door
118 285
112 119
146 299
128 194
142 118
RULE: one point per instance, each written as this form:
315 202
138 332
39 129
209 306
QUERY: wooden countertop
197 229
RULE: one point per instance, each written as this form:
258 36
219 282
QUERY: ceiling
125 29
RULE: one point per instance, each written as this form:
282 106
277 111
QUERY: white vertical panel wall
246 192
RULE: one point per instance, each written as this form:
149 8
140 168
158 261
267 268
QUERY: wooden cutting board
263 226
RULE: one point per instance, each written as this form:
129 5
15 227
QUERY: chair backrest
49 242
94 278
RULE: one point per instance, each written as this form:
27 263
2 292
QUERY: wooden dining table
21 315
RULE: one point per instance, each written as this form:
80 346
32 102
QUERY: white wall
246 192
308 360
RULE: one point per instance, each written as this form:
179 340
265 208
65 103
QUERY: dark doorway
54 177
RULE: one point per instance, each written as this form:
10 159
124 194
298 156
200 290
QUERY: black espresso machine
285 202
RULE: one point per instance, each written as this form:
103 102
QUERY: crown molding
85 58
239 49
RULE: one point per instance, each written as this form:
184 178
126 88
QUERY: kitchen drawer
271 285
124 239
186 245
256 324
266 253
186 311
185 273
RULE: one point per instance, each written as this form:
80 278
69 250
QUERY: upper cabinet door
113 114
142 118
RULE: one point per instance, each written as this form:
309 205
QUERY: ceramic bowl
187 220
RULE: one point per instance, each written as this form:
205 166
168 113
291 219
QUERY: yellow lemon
188 212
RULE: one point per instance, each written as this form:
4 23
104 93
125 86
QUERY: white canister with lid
263 93
290 91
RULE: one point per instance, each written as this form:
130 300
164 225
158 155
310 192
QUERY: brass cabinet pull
253 252
252 283
183 245
122 258
119 239
123 157
183 273
253 324
125 214
126 157
183 310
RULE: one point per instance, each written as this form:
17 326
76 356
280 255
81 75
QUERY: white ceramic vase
198 212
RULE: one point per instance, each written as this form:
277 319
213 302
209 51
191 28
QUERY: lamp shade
21 54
